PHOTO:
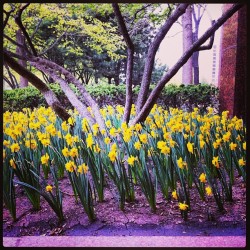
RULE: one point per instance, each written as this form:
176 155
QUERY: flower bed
172 151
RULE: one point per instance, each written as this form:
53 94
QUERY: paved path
125 241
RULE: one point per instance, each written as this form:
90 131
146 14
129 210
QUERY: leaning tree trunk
20 51
187 76
49 95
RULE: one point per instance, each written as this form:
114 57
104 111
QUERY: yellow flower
202 143
14 147
215 161
12 163
65 152
138 127
95 128
85 125
242 162
89 141
181 164
73 152
83 169
64 126
6 143
108 123
112 132
226 136
45 159
165 150
31 144
215 145
71 120
183 206
49 188
172 143
107 140
161 144
208 191
97 148
114 147
70 166
244 145
190 147
131 160
233 146
174 195
112 155
4 154
45 142
143 138
202 178
137 145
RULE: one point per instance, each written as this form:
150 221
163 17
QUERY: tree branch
53 45
18 20
211 42
37 27
142 96
16 43
40 85
141 116
7 17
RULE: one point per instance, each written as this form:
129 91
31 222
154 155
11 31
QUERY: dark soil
137 218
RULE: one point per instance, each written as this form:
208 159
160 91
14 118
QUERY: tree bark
19 50
149 64
70 78
187 74
142 115
49 95
130 59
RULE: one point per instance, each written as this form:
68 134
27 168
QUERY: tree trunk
49 95
149 64
130 59
187 76
117 73
195 60
20 51
109 79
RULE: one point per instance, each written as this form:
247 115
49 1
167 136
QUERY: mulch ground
136 219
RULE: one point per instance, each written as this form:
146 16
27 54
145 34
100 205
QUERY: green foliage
187 97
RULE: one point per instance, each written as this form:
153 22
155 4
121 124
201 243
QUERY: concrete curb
125 241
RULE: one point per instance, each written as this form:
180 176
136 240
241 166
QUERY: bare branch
12 54
7 17
18 20
16 43
211 42
53 45
36 29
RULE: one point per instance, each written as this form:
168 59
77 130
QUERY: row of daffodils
174 151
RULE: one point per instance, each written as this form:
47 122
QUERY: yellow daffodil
143 138
48 188
83 169
65 152
70 166
73 152
107 140
208 190
190 147
183 206
112 155
12 164
181 164
242 162
215 161
137 145
174 195
233 146
131 160
14 147
202 178
45 159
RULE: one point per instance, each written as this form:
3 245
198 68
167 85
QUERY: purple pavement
125 241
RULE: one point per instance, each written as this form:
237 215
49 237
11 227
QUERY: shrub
185 97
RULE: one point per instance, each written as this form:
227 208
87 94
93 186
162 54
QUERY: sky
171 47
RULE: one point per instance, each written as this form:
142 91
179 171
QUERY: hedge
186 97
